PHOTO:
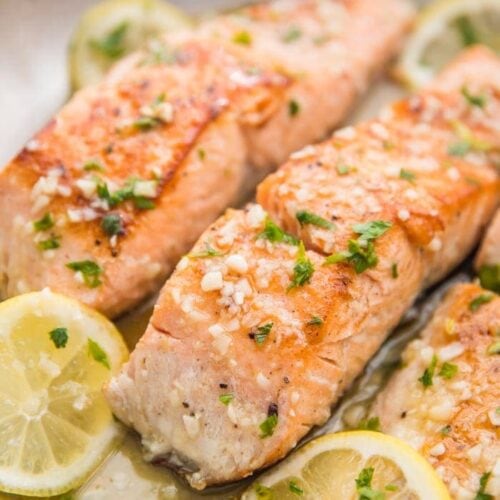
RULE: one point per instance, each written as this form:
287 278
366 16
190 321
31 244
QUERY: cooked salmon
102 203
278 307
445 401
489 251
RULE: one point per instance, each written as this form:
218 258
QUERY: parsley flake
370 424
96 351
46 222
480 300
474 100
494 348
112 45
295 488
481 492
460 148
489 276
262 333
243 38
112 224
268 425
448 370
207 253
394 270
304 217
303 269
273 233
407 175
225 399
315 321
428 374
89 270
293 108
445 430
263 492
59 337
49 244
371 230
364 486
292 34
93 165
466 31
342 169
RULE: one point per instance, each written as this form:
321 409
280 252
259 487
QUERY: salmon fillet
278 307
102 203
488 257
451 414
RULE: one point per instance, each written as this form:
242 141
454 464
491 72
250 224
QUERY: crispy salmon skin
102 203
445 400
278 307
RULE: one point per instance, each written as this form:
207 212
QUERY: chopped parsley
268 425
480 300
466 31
315 321
112 45
143 203
361 253
207 253
293 107
467 141
225 399
489 276
295 488
46 222
49 244
112 224
201 154
263 492
445 430
273 233
481 492
304 217
494 348
123 194
292 34
407 175
428 374
474 100
243 38
370 424
364 486
460 148
262 333
59 337
89 270
303 269
146 123
342 169
448 370
96 351
394 270
391 487
92 166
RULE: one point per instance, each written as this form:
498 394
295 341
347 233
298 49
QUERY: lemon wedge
348 466
55 425
114 28
442 30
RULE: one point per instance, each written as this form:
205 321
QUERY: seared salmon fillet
278 307
102 203
445 401
489 251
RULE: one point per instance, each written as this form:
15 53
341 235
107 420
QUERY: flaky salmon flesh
103 202
279 306
489 251
445 401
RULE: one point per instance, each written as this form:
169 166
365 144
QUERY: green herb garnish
466 31
273 233
304 217
268 425
294 488
445 430
97 352
292 34
370 424
342 169
448 370
480 300
293 107
460 148
207 253
201 154
93 165
481 492
315 321
112 45
262 332
243 38
407 175
46 222
394 270
489 276
428 374
474 100
303 269
364 486
89 270
225 399
59 336
263 492
112 224
494 348
49 244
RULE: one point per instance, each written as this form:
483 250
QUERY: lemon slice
348 466
443 29
55 425
114 28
